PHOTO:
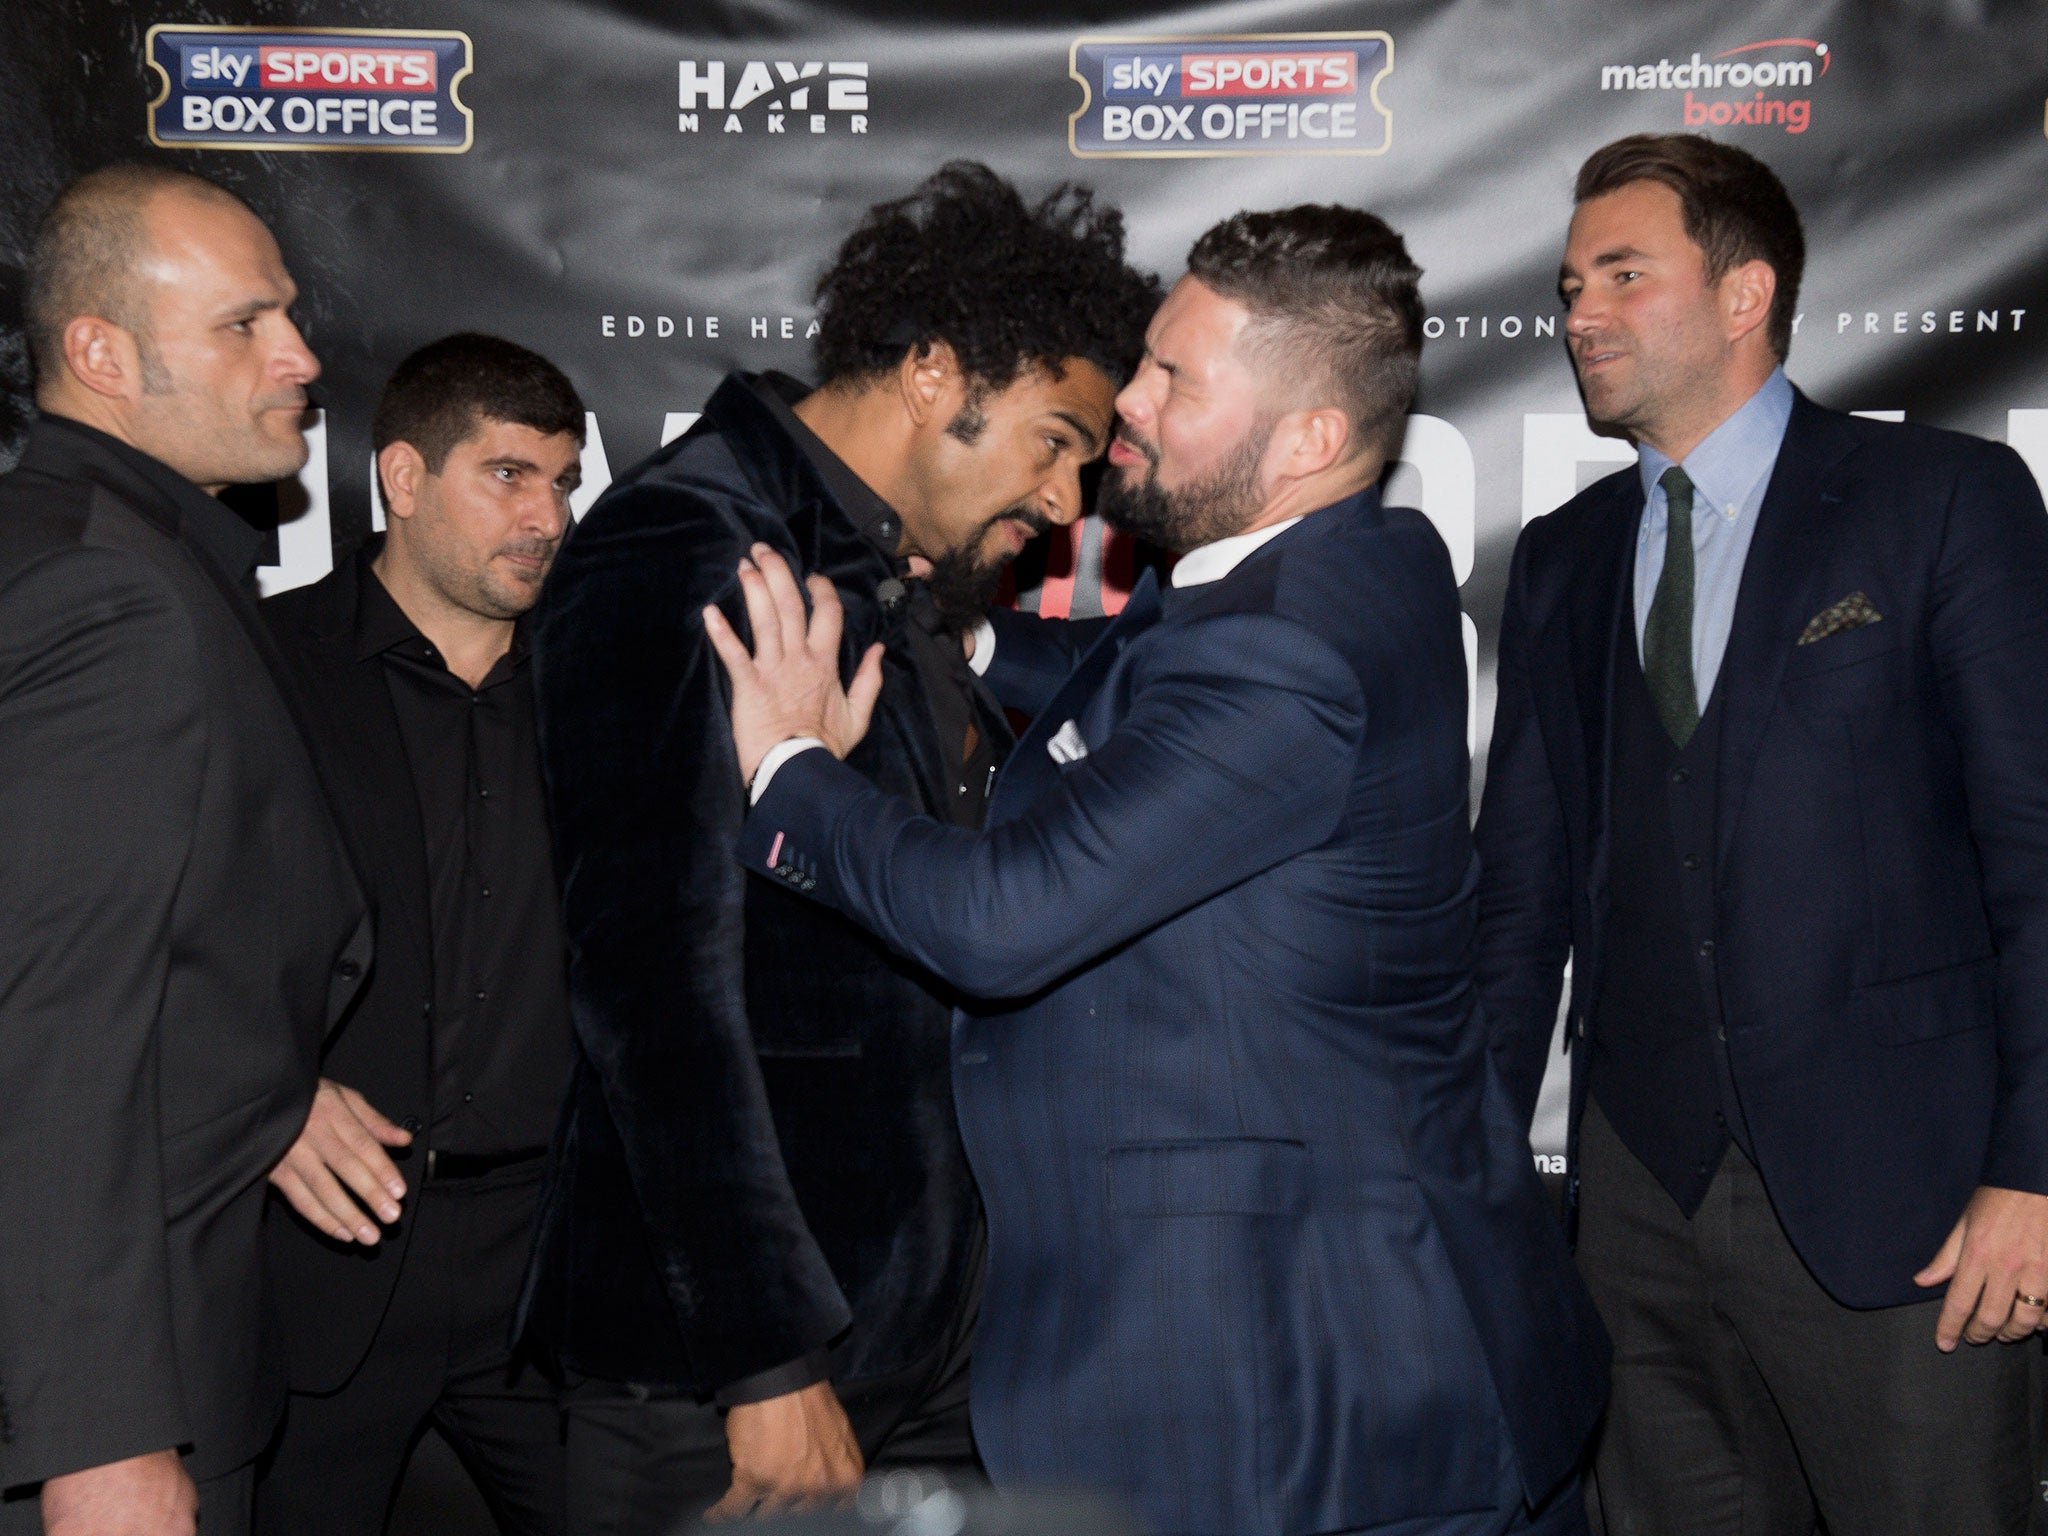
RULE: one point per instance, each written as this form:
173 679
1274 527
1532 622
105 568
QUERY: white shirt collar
1213 562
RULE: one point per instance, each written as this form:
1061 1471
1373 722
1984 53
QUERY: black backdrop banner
646 192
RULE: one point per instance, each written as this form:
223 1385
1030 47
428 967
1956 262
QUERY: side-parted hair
1735 208
1335 302
1008 285
447 391
86 250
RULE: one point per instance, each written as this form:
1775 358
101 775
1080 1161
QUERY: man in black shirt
760 1248
413 1187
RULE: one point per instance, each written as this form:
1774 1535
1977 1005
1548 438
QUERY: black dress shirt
501 1036
950 684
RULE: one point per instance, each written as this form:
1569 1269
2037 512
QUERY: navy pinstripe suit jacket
1267 1252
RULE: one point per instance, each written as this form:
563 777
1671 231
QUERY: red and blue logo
326 88
1280 94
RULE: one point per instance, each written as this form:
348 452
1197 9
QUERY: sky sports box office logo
315 88
1294 93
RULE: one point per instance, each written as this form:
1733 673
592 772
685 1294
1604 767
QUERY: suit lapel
1030 767
1794 529
1600 630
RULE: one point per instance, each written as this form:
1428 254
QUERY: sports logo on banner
1292 93
1765 84
313 88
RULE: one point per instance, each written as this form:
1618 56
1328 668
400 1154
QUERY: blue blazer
1267 1251
1880 923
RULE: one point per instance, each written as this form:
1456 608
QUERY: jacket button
410 1124
1706 949
1691 861
347 970
1679 775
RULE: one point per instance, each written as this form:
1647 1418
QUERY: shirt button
1691 861
487 893
481 996
469 1098
347 970
1706 949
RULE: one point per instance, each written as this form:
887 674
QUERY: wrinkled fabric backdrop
646 192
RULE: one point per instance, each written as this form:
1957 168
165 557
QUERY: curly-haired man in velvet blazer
759 1253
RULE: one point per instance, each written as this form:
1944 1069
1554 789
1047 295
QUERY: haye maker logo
813 96
327 88
1294 93
1759 85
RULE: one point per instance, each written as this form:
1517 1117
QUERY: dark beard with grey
962 584
1197 514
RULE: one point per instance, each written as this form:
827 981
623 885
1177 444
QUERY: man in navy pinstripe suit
1267 1253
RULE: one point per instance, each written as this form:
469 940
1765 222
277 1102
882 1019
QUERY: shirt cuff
984 647
805 1371
778 754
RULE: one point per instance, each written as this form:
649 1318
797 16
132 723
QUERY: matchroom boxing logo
314 88
1755 85
1291 93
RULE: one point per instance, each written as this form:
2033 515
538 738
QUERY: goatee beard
1209 509
962 584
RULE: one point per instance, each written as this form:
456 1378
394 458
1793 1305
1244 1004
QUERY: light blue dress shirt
1729 470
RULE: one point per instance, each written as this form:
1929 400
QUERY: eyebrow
1087 434
248 309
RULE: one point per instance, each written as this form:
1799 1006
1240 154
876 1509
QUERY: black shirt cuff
804 1371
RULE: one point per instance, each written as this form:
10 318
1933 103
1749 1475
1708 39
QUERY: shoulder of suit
319 610
1904 442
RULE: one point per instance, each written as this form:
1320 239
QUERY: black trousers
648 1462
440 1358
1748 1402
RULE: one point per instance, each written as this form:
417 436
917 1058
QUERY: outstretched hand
788 685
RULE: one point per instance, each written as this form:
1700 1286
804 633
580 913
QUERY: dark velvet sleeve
645 792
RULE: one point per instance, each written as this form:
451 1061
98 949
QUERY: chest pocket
1846 673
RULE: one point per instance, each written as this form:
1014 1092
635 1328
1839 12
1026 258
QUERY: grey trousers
224 1504
1748 1402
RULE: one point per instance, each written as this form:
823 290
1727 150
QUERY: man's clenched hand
795 1451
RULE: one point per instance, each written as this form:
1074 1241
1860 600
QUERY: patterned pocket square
1852 612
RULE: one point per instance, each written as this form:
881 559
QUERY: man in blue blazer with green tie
1770 762
1267 1252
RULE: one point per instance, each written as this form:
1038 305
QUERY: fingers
1943 1267
867 687
761 616
2027 1318
731 649
790 613
315 1194
827 620
737 1504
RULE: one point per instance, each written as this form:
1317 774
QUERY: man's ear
1311 441
930 383
1746 295
104 357
400 470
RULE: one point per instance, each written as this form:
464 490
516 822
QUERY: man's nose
295 360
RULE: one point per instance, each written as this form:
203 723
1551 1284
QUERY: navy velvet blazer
1881 877
758 1154
1267 1251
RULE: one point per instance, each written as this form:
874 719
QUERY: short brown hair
451 389
85 253
1331 288
1735 208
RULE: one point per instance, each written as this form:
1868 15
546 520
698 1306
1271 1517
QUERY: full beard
1199 513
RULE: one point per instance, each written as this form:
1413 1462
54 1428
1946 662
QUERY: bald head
88 253
160 312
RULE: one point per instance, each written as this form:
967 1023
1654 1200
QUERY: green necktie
1667 636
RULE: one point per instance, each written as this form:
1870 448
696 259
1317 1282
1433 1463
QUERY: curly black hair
1006 285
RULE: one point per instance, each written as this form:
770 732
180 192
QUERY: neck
470 643
1298 498
1677 438
105 414
868 433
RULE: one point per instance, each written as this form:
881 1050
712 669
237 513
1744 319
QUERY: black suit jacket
1879 927
760 1148
335 1294
178 927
